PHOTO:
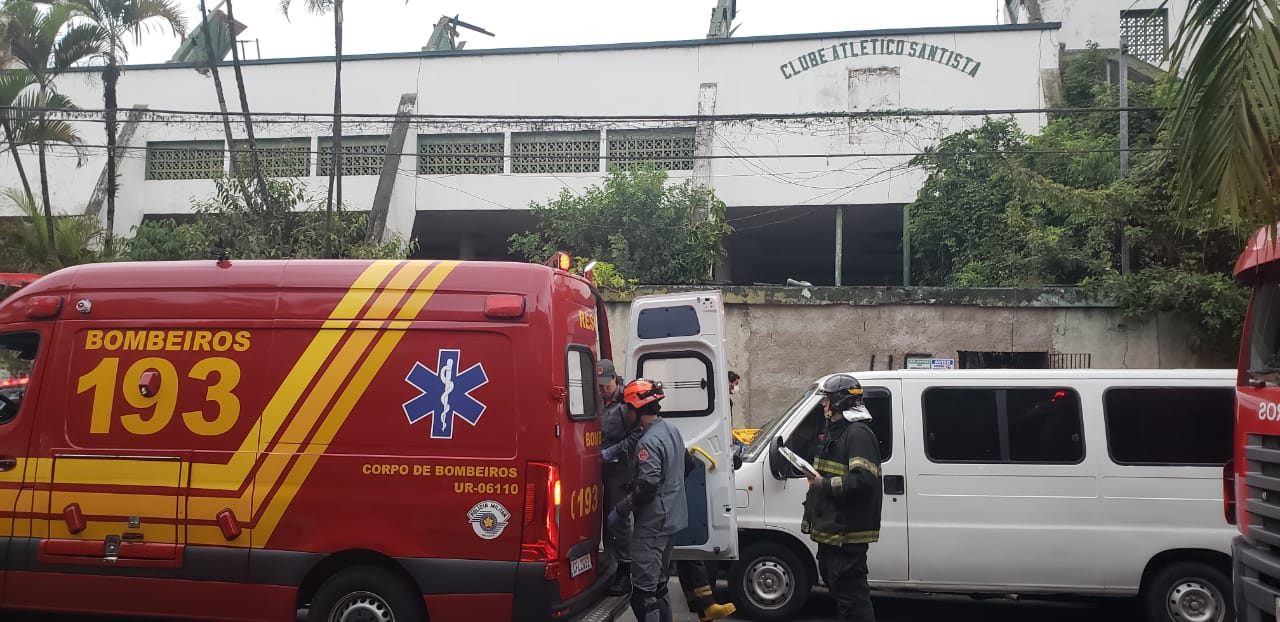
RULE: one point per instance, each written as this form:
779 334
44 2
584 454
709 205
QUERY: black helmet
844 391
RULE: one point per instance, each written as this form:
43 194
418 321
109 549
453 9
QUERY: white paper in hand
797 461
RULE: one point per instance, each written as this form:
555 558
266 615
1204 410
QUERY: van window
804 440
1004 425
880 405
17 358
580 368
686 381
1183 426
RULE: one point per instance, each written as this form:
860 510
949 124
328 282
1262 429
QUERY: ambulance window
665 322
686 381
17 357
580 368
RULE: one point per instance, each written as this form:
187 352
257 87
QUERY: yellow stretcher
744 435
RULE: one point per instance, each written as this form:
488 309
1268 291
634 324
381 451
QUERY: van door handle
895 484
8 463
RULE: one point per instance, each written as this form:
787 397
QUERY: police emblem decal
488 519
445 393
643 455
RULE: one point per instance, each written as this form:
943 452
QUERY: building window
460 154
361 155
184 160
994 426
1181 426
1147 33
280 157
670 149
555 152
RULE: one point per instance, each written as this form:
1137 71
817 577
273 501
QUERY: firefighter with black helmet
656 500
842 506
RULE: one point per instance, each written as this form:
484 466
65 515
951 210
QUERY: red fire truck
338 440
1251 481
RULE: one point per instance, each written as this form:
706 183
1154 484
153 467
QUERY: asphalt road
821 607
889 608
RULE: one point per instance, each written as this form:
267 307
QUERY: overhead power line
91 114
643 158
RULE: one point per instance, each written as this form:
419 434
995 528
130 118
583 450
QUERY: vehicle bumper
1255 581
533 593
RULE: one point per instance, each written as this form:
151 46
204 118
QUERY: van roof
1034 374
163 286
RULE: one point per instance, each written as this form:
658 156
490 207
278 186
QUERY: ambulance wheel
366 594
1188 592
769 582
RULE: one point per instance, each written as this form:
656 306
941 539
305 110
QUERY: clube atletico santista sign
857 48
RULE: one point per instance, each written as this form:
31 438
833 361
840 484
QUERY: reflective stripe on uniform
829 468
852 537
863 463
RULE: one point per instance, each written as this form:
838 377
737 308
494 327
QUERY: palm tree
1226 119
26 246
46 44
211 60
254 160
320 7
117 20
12 84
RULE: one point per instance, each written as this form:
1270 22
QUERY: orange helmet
641 391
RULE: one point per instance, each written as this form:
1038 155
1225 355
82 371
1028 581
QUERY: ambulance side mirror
149 383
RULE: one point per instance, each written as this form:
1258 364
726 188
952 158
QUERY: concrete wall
997 67
780 339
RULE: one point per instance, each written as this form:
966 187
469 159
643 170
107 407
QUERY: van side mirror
779 466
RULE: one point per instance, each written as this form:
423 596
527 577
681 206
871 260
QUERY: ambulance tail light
541 539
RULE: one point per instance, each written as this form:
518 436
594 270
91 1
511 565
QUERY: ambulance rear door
679 340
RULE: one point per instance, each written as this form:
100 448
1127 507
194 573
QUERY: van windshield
17 357
760 442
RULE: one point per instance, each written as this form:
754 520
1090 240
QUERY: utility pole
1125 268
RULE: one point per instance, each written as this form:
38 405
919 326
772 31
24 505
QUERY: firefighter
620 434
842 506
695 580
657 500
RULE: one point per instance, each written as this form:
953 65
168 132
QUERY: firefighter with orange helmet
656 500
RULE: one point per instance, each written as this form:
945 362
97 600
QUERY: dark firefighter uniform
620 434
842 508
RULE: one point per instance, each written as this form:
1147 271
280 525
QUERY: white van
1068 482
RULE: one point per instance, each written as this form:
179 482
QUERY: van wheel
1189 592
769 582
366 594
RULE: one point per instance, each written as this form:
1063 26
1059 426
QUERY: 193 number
105 379
584 501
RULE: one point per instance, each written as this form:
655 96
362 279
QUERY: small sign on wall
930 363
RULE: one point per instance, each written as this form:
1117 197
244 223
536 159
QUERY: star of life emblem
445 393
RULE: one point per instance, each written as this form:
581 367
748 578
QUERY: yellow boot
717 611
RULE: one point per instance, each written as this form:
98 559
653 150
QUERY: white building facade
1148 26
483 133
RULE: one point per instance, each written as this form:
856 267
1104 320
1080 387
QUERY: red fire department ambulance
1251 481
255 440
